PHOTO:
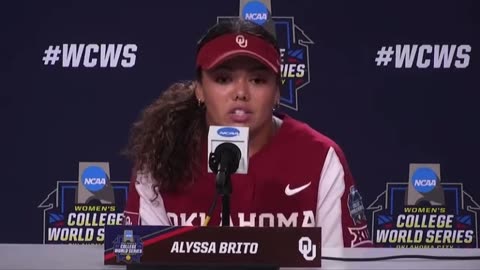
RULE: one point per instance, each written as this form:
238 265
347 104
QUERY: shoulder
301 135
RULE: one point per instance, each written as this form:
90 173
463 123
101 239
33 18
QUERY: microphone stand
224 188
224 161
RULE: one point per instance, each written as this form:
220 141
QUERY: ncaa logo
424 180
256 12
94 178
228 132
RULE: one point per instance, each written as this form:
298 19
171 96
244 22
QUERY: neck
261 138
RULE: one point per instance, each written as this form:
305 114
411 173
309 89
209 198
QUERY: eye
222 78
259 80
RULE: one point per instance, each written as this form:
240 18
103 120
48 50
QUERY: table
90 257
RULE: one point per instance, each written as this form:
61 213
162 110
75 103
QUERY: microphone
225 159
228 154
234 141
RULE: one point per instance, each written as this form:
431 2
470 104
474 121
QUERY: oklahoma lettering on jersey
300 178
295 219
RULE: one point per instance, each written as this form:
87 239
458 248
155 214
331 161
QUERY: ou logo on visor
241 41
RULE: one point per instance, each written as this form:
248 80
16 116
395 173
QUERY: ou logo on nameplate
307 248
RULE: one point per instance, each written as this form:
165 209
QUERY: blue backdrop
384 117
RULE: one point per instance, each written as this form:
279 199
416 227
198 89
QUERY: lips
240 115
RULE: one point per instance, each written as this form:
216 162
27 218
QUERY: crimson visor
227 46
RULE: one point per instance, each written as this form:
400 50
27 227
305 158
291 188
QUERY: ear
277 96
199 91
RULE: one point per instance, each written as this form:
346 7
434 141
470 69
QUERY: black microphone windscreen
229 147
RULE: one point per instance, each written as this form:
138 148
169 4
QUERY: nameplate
227 246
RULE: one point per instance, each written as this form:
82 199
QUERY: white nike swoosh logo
290 192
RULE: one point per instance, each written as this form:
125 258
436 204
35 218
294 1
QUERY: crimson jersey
300 178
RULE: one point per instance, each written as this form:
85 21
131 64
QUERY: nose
241 92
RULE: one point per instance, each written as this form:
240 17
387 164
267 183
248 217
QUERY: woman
296 176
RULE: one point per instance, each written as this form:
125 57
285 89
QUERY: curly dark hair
166 139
